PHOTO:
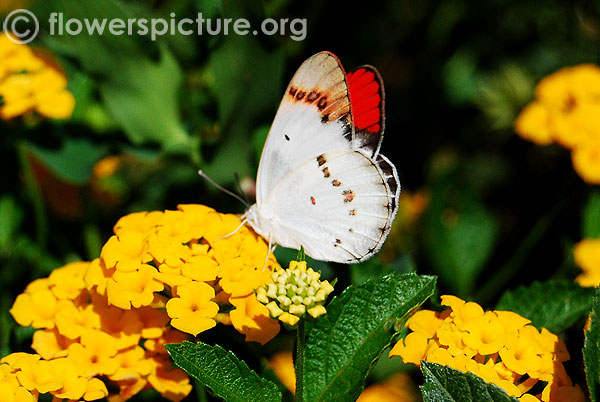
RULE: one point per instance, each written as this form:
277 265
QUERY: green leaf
73 161
444 384
568 303
344 344
460 234
12 216
248 87
222 372
139 81
148 113
591 350
591 216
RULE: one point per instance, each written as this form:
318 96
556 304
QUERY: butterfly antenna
211 181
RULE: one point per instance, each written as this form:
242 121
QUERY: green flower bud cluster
294 292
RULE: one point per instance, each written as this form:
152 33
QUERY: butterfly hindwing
367 98
337 205
314 117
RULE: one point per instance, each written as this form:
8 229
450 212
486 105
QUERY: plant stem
300 345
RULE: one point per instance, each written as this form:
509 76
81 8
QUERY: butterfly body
322 183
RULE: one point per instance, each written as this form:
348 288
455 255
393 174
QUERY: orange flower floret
252 319
193 311
126 252
133 289
499 346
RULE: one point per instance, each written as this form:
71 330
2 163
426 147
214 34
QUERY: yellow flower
67 282
39 375
587 257
95 353
73 321
485 334
31 82
106 318
424 321
252 319
586 161
282 364
126 251
133 289
533 124
398 387
566 111
499 346
50 344
412 348
193 311
172 383
37 308
132 364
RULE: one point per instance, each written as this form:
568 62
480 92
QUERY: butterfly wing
338 205
367 98
313 118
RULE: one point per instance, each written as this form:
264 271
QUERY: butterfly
322 183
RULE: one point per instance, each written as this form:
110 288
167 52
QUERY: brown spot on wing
326 172
336 183
352 212
312 96
348 195
321 160
322 104
300 95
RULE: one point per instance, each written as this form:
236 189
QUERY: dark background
501 211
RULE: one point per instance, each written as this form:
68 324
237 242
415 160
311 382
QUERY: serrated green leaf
344 344
591 216
222 372
568 304
591 350
444 384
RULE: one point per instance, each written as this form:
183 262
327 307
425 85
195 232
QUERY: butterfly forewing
313 118
337 205
367 98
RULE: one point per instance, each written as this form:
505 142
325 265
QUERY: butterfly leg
234 232
272 248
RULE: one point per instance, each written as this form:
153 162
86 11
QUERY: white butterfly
322 182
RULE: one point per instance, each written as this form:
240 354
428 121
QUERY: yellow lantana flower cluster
294 292
162 277
498 346
30 81
587 257
567 111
